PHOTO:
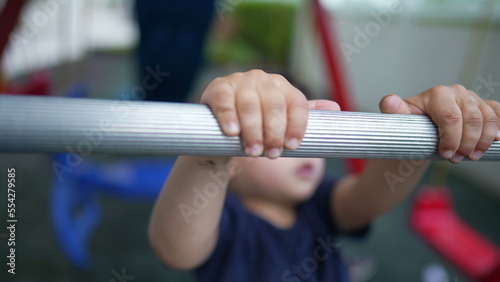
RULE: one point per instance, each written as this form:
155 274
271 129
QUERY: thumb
393 104
325 105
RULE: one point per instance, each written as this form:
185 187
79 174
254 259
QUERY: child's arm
467 126
183 226
269 114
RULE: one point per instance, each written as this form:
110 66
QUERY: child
281 217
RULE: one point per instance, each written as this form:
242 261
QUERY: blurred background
89 222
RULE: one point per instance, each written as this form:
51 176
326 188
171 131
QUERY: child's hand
467 124
265 109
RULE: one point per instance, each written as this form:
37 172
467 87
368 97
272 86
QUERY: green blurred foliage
262 37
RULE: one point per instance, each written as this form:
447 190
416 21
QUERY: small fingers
250 116
467 125
323 105
447 115
393 104
450 131
489 130
298 113
495 105
472 129
264 109
274 110
222 102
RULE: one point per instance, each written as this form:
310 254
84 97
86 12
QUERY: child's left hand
467 124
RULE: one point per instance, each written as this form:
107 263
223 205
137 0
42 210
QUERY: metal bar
88 126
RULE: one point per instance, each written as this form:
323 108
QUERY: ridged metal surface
85 126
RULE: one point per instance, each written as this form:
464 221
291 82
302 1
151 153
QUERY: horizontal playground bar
85 126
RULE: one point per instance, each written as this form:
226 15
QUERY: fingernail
292 144
447 154
273 153
254 151
232 128
457 158
476 155
498 134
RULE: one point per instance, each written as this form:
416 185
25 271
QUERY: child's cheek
276 177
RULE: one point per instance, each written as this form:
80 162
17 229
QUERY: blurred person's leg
172 35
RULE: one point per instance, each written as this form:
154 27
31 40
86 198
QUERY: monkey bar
85 126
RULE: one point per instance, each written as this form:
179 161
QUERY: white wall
52 32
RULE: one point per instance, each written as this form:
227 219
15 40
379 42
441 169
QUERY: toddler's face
287 180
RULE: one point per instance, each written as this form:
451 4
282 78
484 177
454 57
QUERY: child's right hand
264 109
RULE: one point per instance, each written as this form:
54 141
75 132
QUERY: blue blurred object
75 209
75 213
136 179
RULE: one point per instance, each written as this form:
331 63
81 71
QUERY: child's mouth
305 171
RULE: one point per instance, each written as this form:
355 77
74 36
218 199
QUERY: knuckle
439 90
459 87
218 80
248 108
223 110
473 94
451 118
279 79
257 72
491 119
493 103
274 128
278 76
277 107
470 103
474 120
222 91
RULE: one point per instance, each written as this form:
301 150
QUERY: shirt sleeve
322 201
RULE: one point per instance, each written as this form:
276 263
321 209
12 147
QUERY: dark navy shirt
251 249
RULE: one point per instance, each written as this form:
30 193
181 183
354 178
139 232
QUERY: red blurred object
37 84
338 83
435 220
8 19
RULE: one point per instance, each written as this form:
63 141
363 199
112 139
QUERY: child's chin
301 195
